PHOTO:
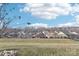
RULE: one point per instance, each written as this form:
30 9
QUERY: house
40 35
74 35
55 34
62 35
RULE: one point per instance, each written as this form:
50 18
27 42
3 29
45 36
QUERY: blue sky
44 14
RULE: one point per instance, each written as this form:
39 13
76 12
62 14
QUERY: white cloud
69 24
75 8
53 10
77 19
47 11
65 24
75 23
37 25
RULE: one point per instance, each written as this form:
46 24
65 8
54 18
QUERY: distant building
40 35
62 35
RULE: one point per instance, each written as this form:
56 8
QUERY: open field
41 46
52 43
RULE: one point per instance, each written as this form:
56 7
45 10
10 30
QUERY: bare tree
4 20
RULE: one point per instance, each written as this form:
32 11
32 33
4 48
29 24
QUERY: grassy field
23 43
41 47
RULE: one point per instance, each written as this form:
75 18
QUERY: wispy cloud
75 23
77 19
75 8
37 25
66 24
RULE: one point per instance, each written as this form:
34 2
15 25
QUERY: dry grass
13 42
31 51
41 46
